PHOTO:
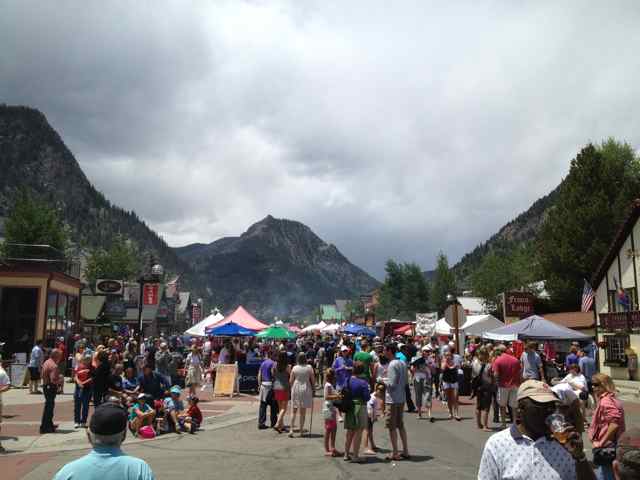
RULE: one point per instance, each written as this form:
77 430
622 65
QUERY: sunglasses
596 384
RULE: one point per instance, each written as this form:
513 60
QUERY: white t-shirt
4 381
328 409
577 380
565 393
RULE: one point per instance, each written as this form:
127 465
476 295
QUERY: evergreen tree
593 200
404 292
415 291
391 291
500 272
443 283
33 222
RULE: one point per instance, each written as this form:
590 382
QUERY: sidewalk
22 413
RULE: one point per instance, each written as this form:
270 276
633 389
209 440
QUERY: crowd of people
362 381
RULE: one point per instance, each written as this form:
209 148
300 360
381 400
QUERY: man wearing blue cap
107 431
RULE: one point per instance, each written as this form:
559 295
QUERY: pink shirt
609 410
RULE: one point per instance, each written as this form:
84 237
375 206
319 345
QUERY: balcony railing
620 321
40 257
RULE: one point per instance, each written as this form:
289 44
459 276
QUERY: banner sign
150 293
518 304
195 313
426 324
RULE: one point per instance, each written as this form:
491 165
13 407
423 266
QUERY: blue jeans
81 398
604 472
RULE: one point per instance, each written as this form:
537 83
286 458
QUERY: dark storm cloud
393 130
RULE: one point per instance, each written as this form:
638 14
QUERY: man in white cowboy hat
526 449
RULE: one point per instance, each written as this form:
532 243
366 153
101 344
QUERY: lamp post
451 298
154 275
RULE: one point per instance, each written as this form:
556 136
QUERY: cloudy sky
392 129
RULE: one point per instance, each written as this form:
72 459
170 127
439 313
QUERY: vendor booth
536 328
198 330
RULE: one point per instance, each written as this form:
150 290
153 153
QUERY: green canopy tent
276 333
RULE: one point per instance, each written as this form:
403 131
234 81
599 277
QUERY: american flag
587 297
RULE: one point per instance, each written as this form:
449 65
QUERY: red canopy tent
405 329
242 318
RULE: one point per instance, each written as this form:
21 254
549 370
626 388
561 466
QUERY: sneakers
77 426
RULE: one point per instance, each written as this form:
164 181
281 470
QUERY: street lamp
451 299
154 275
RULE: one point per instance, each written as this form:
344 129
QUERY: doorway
18 309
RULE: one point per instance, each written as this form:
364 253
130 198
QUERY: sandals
393 458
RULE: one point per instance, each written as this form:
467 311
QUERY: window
614 305
614 350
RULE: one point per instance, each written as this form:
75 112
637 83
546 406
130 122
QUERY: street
442 448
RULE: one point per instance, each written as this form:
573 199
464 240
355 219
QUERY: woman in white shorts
450 384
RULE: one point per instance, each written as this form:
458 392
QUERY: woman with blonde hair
607 425
302 381
193 365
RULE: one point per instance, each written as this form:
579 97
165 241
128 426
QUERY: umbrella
230 329
534 327
277 333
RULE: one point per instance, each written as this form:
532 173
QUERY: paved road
231 445
444 449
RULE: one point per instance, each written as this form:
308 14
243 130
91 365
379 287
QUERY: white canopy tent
198 329
477 325
331 328
316 327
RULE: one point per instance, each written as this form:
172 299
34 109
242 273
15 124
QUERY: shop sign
518 304
150 293
109 287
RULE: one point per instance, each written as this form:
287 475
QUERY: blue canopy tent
230 329
536 328
353 329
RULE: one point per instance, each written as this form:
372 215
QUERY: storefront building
616 302
36 303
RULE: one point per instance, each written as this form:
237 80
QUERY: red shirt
83 374
195 413
507 369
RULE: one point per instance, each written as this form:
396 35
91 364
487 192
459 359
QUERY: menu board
226 376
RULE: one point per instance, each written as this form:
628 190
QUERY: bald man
51 380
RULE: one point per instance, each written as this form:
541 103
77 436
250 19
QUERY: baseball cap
108 419
176 390
426 348
344 348
537 391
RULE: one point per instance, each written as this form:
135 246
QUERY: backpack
476 382
345 403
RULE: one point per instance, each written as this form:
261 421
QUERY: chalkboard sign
226 376
248 376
